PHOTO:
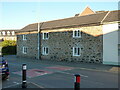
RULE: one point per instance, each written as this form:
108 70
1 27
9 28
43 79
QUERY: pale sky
16 15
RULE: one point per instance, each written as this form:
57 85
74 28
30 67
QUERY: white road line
10 86
16 83
72 74
37 85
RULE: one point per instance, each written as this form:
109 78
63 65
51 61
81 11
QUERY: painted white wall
110 44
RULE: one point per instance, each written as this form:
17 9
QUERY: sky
16 15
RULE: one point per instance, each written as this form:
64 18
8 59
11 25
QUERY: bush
8 47
8 43
9 50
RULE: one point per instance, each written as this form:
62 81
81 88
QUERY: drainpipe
39 40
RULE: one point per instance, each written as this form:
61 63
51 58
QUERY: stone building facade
75 39
61 44
30 43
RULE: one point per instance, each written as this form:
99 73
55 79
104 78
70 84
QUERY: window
76 51
3 32
8 32
45 50
77 33
45 35
13 32
24 50
24 37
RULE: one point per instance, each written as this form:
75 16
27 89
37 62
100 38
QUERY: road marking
72 74
11 85
16 83
37 85
60 68
34 73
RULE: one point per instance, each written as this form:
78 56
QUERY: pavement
79 65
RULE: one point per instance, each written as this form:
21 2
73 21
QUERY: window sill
76 37
76 55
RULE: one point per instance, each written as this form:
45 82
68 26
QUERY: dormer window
13 32
8 32
3 33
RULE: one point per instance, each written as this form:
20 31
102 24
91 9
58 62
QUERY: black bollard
77 82
24 83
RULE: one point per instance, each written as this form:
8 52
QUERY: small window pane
46 50
78 51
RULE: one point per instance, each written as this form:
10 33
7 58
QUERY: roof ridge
73 17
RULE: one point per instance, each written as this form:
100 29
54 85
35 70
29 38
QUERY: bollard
24 83
77 82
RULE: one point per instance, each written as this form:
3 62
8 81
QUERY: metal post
77 82
38 40
24 83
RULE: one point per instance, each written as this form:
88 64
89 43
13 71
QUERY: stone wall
30 43
61 44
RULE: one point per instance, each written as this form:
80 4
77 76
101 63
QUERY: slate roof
113 16
10 30
82 20
72 21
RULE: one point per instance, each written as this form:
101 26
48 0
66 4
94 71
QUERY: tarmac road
52 74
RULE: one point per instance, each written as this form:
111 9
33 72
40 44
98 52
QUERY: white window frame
3 33
8 32
77 52
24 37
25 50
44 50
78 33
13 32
45 36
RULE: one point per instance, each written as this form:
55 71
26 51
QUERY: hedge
9 50
8 47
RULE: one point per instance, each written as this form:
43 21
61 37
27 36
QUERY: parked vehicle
4 69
